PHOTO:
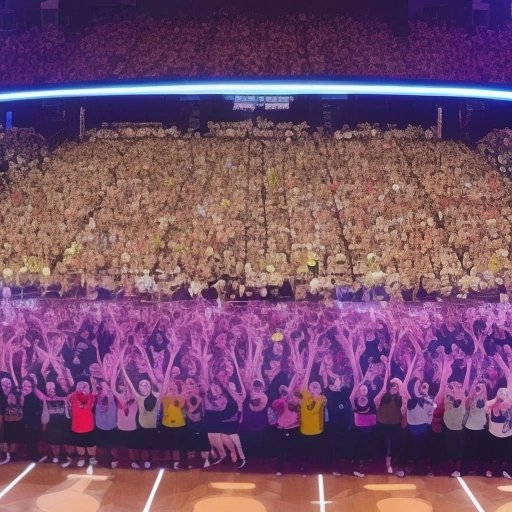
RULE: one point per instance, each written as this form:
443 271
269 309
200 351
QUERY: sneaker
506 474
206 463
358 474
89 470
335 473
175 466
80 463
92 461
390 470
218 461
6 460
278 473
135 465
455 474
400 473
114 464
488 473
66 463
147 465
240 464
55 460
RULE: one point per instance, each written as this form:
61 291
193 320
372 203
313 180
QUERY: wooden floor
48 488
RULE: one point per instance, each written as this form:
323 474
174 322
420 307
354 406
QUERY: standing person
254 423
312 406
56 422
339 424
32 410
14 433
148 404
105 416
286 409
475 431
197 435
453 418
499 413
390 404
127 411
82 423
174 430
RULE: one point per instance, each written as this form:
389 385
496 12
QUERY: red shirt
82 417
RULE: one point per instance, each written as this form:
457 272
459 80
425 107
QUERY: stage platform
48 488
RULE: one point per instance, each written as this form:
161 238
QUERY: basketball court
48 488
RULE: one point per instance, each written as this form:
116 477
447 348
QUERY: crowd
251 210
419 388
231 46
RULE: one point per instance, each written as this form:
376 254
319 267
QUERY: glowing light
390 487
261 87
152 494
471 496
17 480
233 486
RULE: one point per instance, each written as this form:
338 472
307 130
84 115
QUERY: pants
286 445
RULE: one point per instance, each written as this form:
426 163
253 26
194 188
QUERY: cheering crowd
228 46
247 210
189 384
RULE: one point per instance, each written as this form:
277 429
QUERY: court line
152 494
18 479
471 496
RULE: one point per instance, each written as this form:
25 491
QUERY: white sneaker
455 474
7 459
206 463
506 474
55 460
390 470
175 466
135 465
89 470
93 461
278 473
80 463
488 473
147 465
358 474
66 463
400 473
114 464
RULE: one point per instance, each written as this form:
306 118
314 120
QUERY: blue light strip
268 88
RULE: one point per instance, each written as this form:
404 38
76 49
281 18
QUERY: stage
48 488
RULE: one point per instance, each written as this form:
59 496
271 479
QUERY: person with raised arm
454 418
475 427
173 425
390 403
231 426
363 405
32 409
148 404
312 405
286 409
127 411
499 414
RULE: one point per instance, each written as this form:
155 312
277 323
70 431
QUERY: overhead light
261 87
